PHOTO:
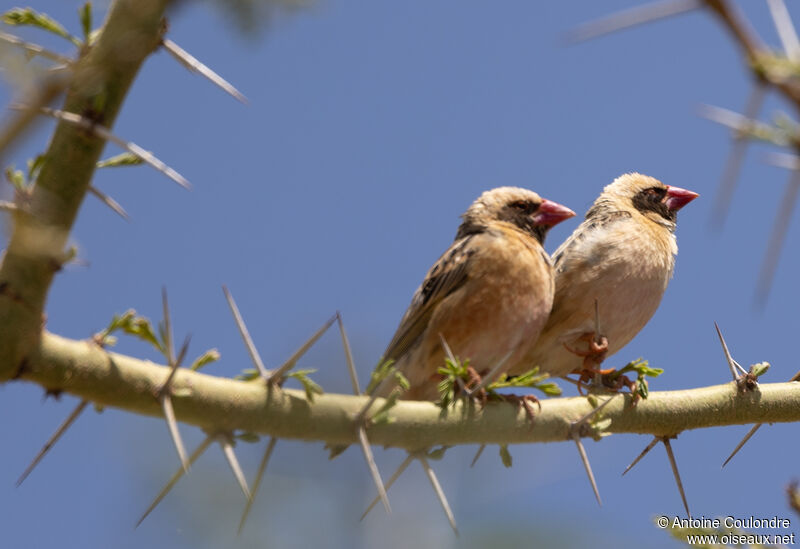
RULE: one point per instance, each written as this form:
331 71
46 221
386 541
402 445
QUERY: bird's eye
655 193
521 205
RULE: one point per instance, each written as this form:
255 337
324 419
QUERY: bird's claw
525 402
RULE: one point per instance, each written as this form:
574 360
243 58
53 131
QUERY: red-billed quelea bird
488 295
623 256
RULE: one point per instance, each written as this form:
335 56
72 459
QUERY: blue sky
370 128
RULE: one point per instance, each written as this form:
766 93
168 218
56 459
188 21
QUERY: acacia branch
100 81
217 404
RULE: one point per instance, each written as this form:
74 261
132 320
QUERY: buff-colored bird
488 295
623 256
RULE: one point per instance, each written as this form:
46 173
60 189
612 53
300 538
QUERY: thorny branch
108 379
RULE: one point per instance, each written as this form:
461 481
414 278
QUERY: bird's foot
608 378
525 402
474 380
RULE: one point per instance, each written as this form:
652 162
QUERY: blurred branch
216 404
100 81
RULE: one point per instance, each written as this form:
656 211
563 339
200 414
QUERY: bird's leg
592 358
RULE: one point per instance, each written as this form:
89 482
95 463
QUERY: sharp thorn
593 411
642 454
168 344
587 466
785 28
348 355
373 469
439 492
53 439
277 375
172 425
631 18
481 448
176 477
110 202
728 356
257 483
403 466
19 124
733 165
165 388
674 465
35 49
190 62
227 448
742 442
248 342
777 238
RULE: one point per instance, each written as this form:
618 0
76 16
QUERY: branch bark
217 404
101 79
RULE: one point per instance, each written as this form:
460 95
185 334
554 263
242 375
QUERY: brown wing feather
447 275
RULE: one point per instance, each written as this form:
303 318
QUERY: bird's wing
578 263
447 275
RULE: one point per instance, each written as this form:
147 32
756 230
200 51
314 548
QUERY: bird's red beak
677 198
551 213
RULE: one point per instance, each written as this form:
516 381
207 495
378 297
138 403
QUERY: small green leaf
505 455
381 371
437 454
85 14
29 16
759 369
248 375
310 387
382 415
212 355
94 35
35 166
122 159
247 437
528 380
16 178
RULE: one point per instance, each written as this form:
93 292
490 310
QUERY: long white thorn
110 202
66 424
35 49
742 442
190 62
674 464
348 355
403 466
248 341
373 468
172 425
728 356
278 374
642 454
631 18
437 488
587 466
733 165
131 147
257 483
227 449
176 477
785 28
779 231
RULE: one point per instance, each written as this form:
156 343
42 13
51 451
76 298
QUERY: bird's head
522 208
643 195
